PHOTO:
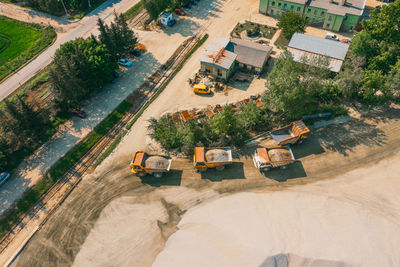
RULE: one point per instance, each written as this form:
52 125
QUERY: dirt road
128 220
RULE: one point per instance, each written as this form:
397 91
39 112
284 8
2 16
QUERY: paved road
86 26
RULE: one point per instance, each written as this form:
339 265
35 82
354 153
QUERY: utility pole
66 12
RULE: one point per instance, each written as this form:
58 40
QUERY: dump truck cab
143 164
205 158
291 134
265 159
201 89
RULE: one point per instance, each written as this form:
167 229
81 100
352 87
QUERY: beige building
223 56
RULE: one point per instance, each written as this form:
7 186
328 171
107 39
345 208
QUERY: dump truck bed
290 133
218 155
157 163
273 157
153 163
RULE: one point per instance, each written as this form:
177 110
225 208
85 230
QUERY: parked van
331 36
201 89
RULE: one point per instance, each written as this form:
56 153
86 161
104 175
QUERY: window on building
328 25
315 12
285 5
278 12
309 10
272 11
330 18
279 4
291 7
298 8
322 13
273 3
208 69
219 72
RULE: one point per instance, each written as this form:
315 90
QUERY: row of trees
372 73
225 128
56 6
155 7
80 67
84 65
23 126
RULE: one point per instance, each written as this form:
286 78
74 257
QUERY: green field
19 42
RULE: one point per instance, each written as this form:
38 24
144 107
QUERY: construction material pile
279 155
156 162
217 155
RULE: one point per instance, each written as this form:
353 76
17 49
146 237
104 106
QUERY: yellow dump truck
265 159
143 164
291 134
205 158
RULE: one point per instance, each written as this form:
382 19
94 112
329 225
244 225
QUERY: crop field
19 42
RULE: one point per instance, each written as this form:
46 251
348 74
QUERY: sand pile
156 162
279 155
349 221
217 155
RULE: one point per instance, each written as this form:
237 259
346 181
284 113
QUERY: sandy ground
115 218
352 220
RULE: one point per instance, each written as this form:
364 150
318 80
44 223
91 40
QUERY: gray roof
249 53
354 7
217 55
319 46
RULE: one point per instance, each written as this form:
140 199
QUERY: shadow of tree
343 138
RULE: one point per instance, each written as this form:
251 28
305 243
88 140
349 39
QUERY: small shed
302 45
166 18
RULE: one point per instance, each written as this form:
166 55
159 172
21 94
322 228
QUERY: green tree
226 127
165 132
291 22
118 38
350 76
80 66
392 81
295 88
363 45
373 88
250 116
384 25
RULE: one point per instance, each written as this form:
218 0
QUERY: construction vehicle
143 164
201 89
274 157
217 157
291 134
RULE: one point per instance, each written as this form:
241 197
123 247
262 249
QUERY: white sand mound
249 229
349 221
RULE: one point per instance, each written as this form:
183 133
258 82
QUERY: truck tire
284 167
220 168
158 174
265 169
140 174
203 169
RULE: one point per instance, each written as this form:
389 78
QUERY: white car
3 177
331 36
124 62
